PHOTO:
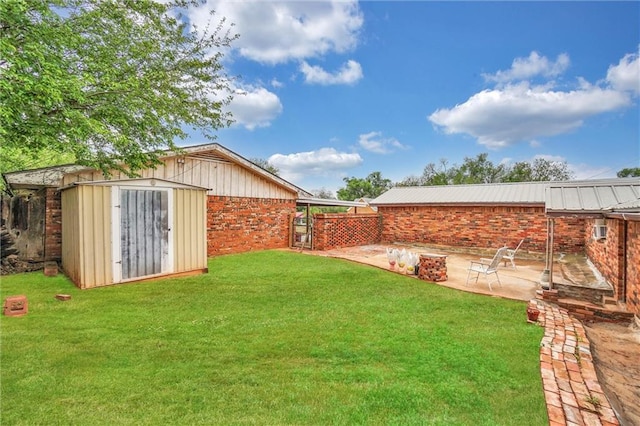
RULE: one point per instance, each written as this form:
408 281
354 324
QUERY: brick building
247 207
610 211
475 216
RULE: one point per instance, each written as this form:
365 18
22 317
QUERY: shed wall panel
71 234
190 245
86 235
95 236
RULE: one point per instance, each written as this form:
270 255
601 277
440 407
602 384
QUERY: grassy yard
272 338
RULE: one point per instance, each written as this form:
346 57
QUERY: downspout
625 230
551 255
544 278
307 225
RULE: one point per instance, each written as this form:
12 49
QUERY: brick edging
571 389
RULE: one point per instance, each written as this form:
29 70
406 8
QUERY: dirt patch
616 353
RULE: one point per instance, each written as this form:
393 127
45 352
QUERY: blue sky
328 90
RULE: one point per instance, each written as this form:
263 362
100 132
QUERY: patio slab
518 284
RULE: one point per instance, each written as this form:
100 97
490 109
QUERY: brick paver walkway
571 389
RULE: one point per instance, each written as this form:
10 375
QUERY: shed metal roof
597 196
494 193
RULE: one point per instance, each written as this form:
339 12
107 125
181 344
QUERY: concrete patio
518 284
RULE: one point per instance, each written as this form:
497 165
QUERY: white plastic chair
510 255
487 267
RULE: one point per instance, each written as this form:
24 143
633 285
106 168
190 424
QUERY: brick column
53 226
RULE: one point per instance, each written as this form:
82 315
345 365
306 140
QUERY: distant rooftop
568 196
490 193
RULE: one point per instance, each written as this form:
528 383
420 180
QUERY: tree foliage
265 164
480 169
369 187
107 82
629 172
323 193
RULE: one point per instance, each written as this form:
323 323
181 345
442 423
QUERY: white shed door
144 232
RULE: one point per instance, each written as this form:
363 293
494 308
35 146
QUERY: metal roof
597 196
39 178
491 193
328 202
143 182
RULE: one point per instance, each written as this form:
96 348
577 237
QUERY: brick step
590 312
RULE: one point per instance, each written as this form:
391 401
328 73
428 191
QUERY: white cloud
533 66
276 32
254 107
374 142
626 75
350 73
323 162
276 84
584 171
519 111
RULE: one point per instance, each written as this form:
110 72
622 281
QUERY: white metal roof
328 202
493 193
141 182
598 196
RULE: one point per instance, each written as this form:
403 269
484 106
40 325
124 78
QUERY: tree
481 170
107 82
431 175
477 170
370 187
540 170
265 164
323 193
629 172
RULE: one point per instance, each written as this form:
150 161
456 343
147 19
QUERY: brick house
247 207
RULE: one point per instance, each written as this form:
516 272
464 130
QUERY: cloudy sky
328 90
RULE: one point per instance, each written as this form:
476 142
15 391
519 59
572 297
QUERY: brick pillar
53 226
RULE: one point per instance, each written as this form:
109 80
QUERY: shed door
144 232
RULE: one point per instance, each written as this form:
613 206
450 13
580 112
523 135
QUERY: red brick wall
633 267
480 227
237 224
607 254
53 226
332 230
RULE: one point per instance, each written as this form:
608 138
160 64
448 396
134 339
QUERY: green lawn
268 338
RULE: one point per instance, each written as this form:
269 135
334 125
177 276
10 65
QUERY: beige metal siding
86 235
221 177
71 234
189 230
95 241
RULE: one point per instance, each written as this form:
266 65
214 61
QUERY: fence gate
144 232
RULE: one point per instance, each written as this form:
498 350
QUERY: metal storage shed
129 230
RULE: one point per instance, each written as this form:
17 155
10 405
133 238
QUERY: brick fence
480 226
332 230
